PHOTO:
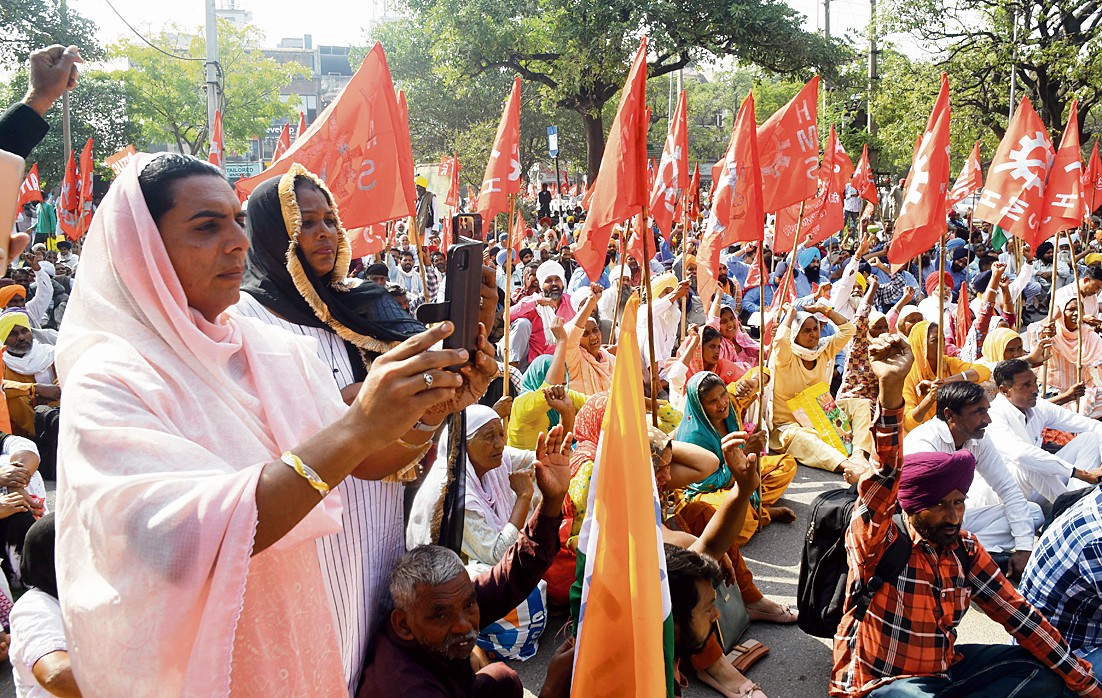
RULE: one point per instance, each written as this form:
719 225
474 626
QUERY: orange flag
1063 207
1014 196
68 209
519 230
841 166
673 170
367 240
217 144
360 147
301 125
283 143
969 181
693 194
862 178
452 199
30 190
921 219
502 178
85 188
788 146
737 213
121 159
823 215
1092 183
620 189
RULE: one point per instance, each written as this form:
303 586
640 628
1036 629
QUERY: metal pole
644 230
558 190
212 71
508 295
940 307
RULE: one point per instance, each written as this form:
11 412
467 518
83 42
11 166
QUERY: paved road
798 665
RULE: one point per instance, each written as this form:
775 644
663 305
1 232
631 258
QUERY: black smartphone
462 296
468 225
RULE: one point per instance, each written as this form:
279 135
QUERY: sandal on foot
751 690
785 617
747 655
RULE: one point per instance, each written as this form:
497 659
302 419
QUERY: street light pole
211 67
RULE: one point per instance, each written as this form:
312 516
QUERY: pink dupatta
167 422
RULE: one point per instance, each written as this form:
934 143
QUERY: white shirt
667 321
853 199
1017 435
39 303
36 630
995 485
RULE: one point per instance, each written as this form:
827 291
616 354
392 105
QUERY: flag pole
1051 310
682 196
420 257
619 285
1079 302
508 296
644 231
940 308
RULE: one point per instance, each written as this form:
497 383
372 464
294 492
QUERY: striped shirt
910 628
356 562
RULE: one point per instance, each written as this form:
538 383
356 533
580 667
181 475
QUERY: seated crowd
254 464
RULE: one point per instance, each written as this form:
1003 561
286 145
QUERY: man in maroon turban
932 489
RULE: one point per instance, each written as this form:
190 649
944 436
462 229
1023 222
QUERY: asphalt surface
798 665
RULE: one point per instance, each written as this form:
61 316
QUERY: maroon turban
928 477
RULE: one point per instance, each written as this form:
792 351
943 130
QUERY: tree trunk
594 143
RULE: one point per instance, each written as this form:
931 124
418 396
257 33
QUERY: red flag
962 317
862 178
1014 195
673 170
367 240
840 163
519 231
788 146
692 195
1063 206
471 198
69 206
301 125
360 147
283 143
217 144
823 214
452 199
969 181
30 189
502 177
121 159
737 213
1092 186
85 207
620 190
921 219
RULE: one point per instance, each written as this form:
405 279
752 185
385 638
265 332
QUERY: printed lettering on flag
969 181
1063 205
121 159
788 146
30 190
672 173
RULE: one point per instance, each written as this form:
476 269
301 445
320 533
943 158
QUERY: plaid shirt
1064 576
910 628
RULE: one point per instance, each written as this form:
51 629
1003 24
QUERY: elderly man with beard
807 271
533 315
30 386
425 648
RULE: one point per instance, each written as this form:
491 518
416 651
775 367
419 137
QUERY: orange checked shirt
910 627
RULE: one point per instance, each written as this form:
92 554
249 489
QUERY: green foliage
578 56
169 95
26 25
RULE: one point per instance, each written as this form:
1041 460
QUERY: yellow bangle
308 473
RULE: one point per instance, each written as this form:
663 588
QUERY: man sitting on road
904 644
532 316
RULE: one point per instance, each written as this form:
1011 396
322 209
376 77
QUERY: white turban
548 269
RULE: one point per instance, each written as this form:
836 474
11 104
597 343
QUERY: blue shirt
750 298
579 279
1063 578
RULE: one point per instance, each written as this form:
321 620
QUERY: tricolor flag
625 629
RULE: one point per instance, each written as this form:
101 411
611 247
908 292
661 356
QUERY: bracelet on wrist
307 473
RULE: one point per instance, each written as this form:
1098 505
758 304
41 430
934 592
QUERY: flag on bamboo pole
1092 185
836 171
217 144
519 230
620 189
360 147
625 626
969 182
282 143
30 190
452 199
68 209
1063 204
737 213
692 195
862 178
673 170
301 125
1014 196
502 178
788 146
85 189
841 167
921 219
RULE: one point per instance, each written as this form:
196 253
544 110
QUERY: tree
170 104
579 57
1055 53
26 25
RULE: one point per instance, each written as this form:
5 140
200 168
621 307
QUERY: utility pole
212 68
874 77
66 131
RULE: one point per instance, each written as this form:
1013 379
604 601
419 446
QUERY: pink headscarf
169 420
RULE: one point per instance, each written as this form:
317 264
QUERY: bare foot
781 514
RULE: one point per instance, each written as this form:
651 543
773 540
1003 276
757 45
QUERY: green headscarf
535 378
696 429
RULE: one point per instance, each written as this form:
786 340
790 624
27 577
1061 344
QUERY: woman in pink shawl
186 541
736 346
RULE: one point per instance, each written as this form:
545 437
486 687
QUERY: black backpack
824 569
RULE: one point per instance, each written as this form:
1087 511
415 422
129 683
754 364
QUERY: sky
343 22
